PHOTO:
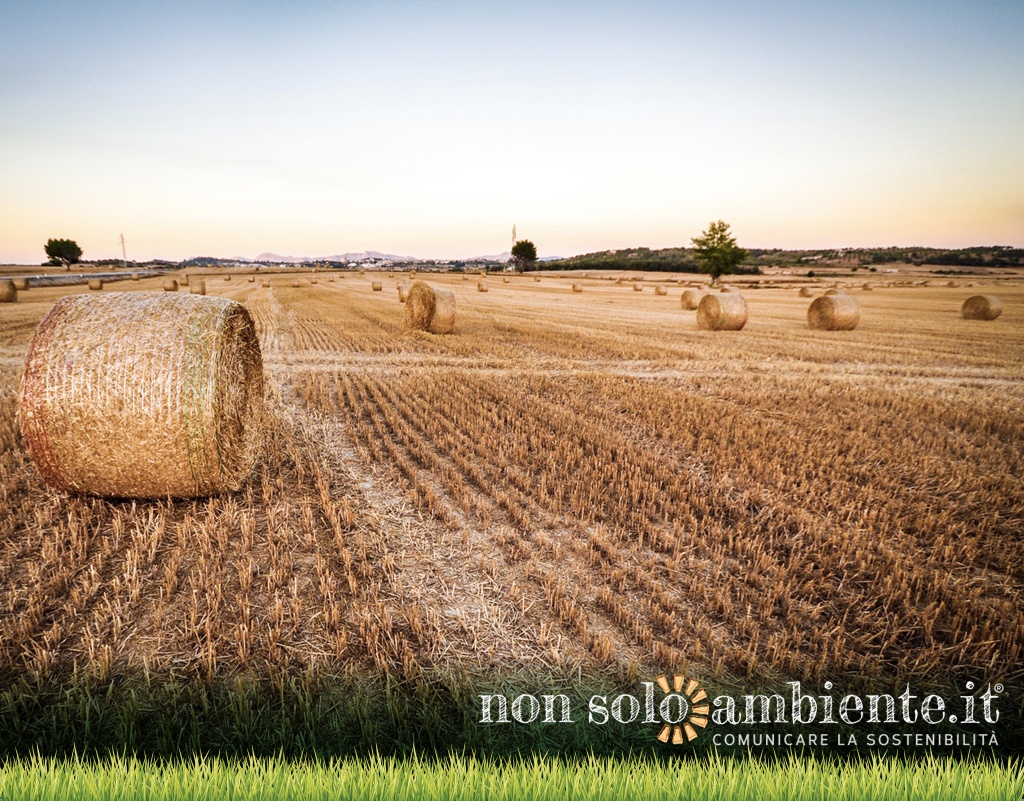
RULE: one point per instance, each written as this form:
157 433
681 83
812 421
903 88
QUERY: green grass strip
536 778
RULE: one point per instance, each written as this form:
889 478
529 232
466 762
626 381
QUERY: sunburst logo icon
691 711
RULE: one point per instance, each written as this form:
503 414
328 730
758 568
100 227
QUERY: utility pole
124 253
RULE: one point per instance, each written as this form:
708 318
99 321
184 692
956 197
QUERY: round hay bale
833 292
377 286
691 298
313 280
724 288
95 284
481 286
867 288
660 290
403 291
806 292
465 277
951 284
430 309
505 280
143 395
251 279
183 280
227 277
638 287
265 284
21 284
8 292
981 307
536 278
296 284
170 285
722 312
198 286
577 288
135 276
839 312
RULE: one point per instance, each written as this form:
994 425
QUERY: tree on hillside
63 251
524 255
716 251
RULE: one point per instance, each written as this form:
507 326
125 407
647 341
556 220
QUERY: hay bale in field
691 298
536 278
839 312
143 395
265 284
981 307
377 286
722 312
296 284
833 292
505 280
660 290
403 291
251 279
135 276
8 292
465 277
481 286
227 277
577 288
170 285
430 309
183 280
21 284
638 287
806 292
867 288
313 280
951 284
95 284
198 286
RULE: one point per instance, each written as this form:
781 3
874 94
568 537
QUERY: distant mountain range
368 255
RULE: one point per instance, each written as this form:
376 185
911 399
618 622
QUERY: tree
716 251
524 254
63 251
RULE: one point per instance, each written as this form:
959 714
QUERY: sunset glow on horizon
428 128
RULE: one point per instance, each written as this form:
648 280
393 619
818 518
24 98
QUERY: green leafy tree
524 255
63 251
716 251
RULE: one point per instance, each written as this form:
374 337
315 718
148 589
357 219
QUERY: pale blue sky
428 129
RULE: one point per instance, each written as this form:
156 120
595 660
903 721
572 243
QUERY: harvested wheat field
565 483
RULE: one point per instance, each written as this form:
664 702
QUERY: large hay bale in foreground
430 309
981 307
21 284
95 284
806 292
691 298
170 285
839 312
481 286
143 395
377 286
198 286
722 312
8 292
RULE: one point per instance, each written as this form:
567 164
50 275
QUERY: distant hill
365 255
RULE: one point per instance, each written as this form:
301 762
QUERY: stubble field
570 483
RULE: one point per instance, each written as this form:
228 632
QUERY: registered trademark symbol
999 688
952 718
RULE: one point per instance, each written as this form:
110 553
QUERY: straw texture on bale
377 286
806 292
660 290
691 298
577 288
722 312
8 292
143 395
981 307
481 286
839 312
170 285
95 283
21 284
197 286
430 309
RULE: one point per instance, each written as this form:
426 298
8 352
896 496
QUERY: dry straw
691 298
21 284
95 283
8 292
430 309
660 290
722 312
403 291
170 285
143 395
981 307
577 288
377 286
481 286
839 312
197 286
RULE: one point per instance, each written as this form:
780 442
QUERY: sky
428 129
